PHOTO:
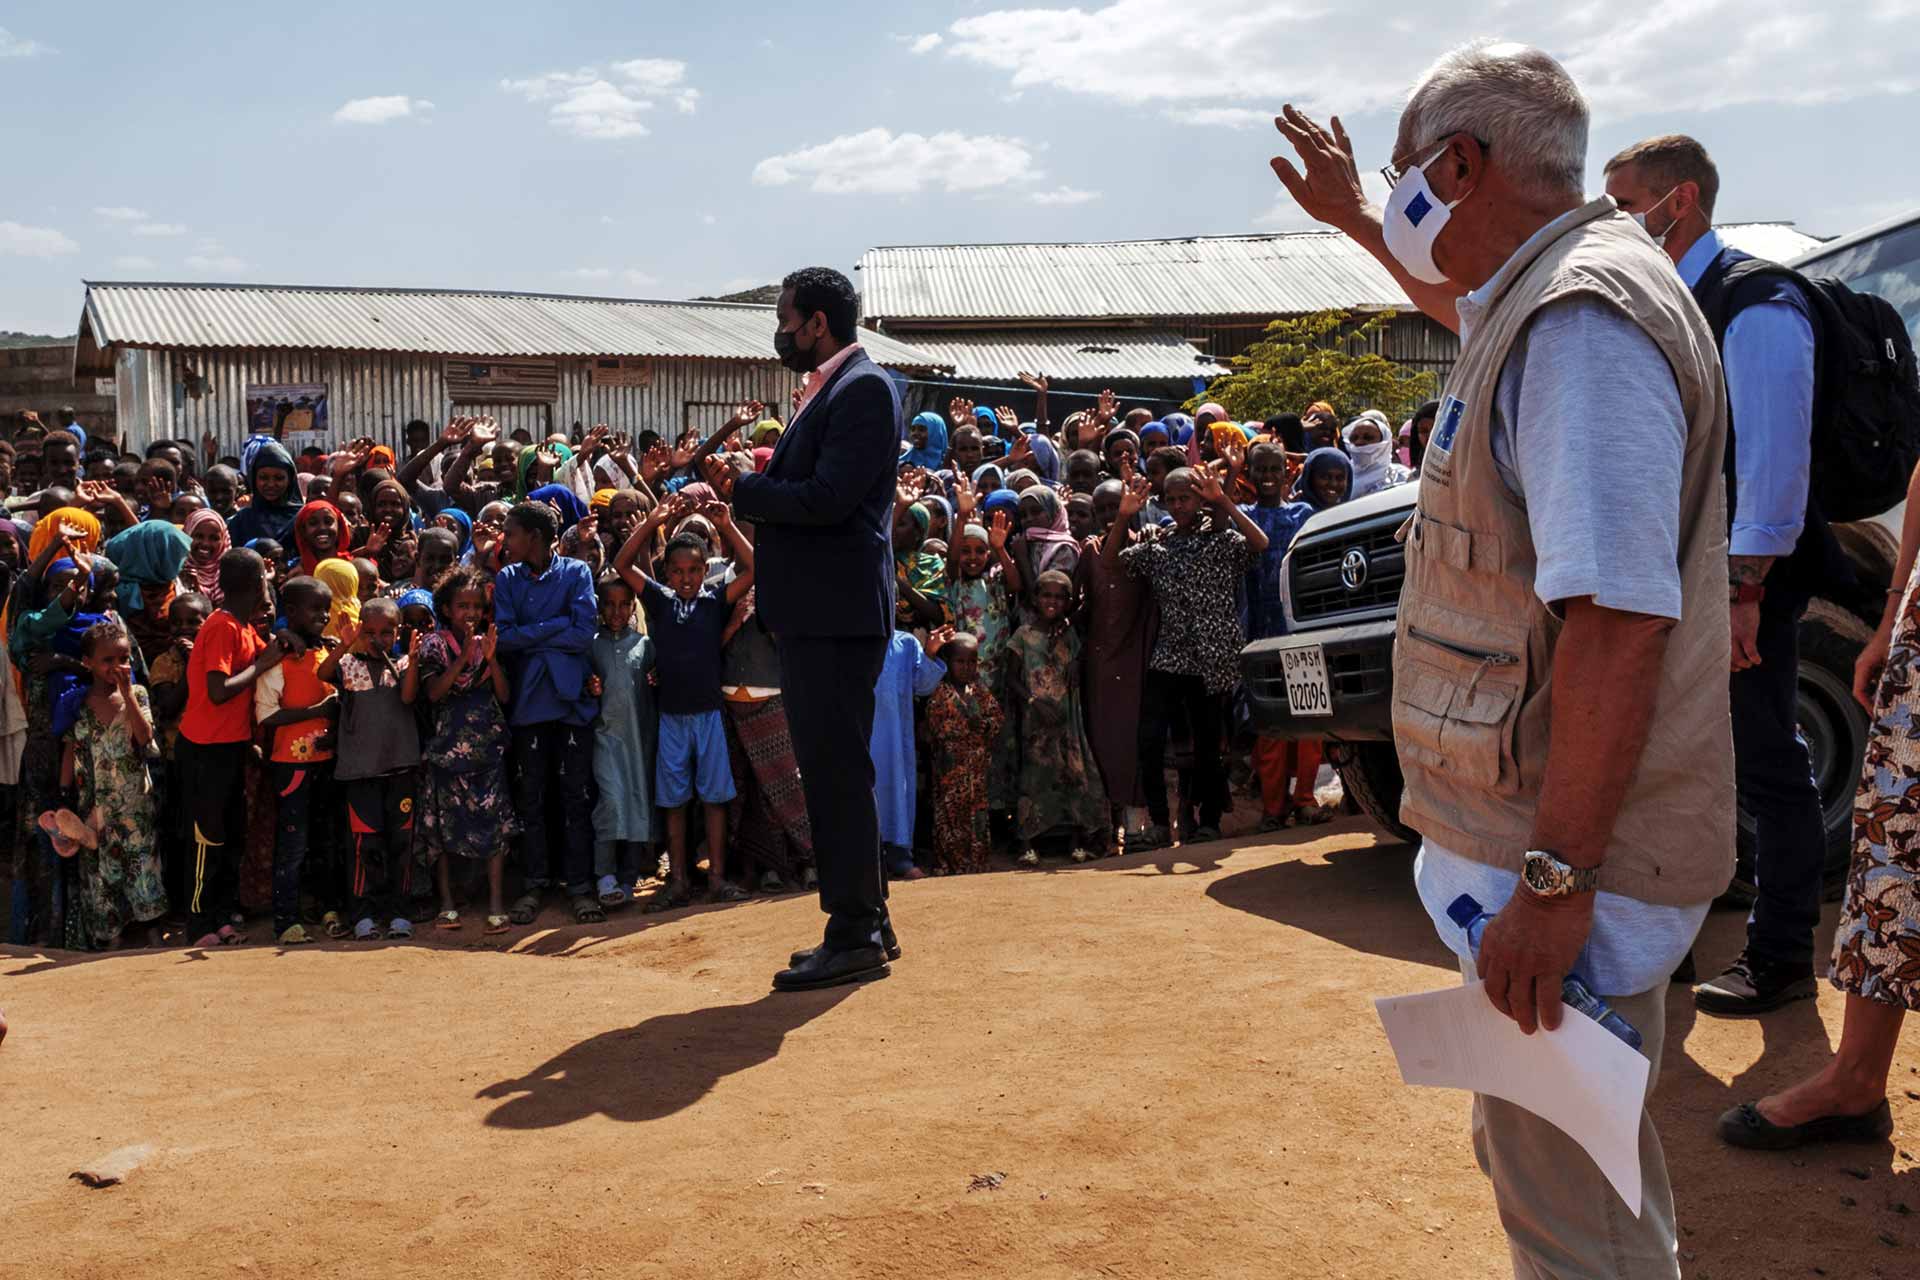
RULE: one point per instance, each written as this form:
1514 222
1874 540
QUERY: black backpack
1866 400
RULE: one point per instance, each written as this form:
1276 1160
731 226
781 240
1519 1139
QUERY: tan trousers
1563 1219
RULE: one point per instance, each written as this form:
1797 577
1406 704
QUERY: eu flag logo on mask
1418 208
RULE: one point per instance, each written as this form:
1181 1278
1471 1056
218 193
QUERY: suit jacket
823 510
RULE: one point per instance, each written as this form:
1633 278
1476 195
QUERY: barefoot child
105 761
1061 796
687 619
466 807
625 743
294 709
963 723
379 755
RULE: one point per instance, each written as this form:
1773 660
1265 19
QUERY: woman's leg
1854 1081
677 849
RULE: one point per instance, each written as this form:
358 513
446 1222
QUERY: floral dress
1876 949
1060 786
119 881
963 724
1196 577
465 807
982 609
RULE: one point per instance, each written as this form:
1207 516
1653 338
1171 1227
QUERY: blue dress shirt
1768 355
544 628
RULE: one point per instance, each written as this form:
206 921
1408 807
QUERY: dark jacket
823 510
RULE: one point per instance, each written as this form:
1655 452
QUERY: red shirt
226 645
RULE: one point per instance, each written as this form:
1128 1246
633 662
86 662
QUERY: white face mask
1366 457
1659 241
1413 220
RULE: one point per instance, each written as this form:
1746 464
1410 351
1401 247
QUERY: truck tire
1835 727
1370 774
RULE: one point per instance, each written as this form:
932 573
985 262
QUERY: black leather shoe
888 942
832 968
1744 1126
1748 988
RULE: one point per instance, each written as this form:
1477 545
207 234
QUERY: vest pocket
1456 708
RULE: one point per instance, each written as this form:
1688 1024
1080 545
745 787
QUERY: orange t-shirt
226 644
295 682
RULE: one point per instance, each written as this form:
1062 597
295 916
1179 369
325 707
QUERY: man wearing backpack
1780 551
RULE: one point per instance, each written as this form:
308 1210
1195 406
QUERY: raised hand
1329 189
1009 420
964 500
1235 456
487 645
999 531
656 463
1108 406
457 430
937 640
747 411
1038 381
413 644
484 430
719 473
1134 498
716 511
960 412
1021 450
682 454
377 539
349 636
1206 487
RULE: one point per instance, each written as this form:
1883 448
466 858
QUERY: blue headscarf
67 692
1001 500
562 499
1320 460
415 595
999 473
989 421
1046 458
465 521
150 553
934 455
266 519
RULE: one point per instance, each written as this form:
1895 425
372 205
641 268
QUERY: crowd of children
358 692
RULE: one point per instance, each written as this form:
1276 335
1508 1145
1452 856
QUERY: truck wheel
1370 773
1835 727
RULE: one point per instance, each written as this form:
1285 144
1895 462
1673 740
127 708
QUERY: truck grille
1318 587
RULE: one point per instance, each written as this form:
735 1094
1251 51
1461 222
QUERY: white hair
1514 98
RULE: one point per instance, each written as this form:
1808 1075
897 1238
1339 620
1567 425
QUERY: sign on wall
503 381
281 409
620 371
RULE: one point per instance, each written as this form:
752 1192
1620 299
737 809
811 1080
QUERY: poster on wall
293 412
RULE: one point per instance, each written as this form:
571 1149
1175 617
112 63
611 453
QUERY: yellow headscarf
765 433
46 531
344 581
601 497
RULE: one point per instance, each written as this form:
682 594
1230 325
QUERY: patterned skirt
465 815
1876 950
770 818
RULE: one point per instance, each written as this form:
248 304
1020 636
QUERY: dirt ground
1168 1063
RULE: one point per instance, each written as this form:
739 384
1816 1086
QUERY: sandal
587 911
334 925
524 908
230 936
400 929
295 935
498 924
206 942
667 900
612 893
726 891
447 920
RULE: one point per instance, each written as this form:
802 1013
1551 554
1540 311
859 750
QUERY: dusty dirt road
1170 1058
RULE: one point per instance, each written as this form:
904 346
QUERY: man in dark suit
823 557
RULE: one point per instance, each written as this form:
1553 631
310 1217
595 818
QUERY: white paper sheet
1578 1078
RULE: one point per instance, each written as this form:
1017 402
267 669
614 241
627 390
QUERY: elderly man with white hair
1560 693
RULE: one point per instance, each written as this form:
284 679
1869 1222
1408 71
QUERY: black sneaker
1748 987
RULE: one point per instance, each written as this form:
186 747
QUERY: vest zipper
1487 658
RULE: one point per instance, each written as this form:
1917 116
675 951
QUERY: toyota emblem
1353 569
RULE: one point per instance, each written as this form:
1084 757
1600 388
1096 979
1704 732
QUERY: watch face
1539 875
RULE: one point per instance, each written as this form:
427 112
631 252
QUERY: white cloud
638 279
591 273
34 242
882 162
608 220
1064 195
134 262
379 110
925 44
708 219
121 213
160 229
13 46
1629 56
609 106
1223 117
216 261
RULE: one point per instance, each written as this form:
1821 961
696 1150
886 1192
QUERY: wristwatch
1549 877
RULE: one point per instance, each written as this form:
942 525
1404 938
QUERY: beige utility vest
1473 651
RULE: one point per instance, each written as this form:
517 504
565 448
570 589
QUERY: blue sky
666 150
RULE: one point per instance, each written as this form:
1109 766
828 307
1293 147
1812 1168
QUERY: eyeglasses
1394 172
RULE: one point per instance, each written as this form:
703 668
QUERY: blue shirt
1264 616
544 625
1768 356
686 641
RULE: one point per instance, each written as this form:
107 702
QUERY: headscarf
988 420
1001 500
1318 460
934 455
1046 458
205 574
1156 428
266 519
46 532
1180 431
1318 407
1226 435
1372 463
565 501
600 499
1218 411
465 531
344 581
416 595
150 556
527 456
1044 541
765 434
946 509
920 516
66 691
380 457
1028 474
999 473
1120 433
309 559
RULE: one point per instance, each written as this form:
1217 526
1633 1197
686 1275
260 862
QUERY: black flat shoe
832 968
1744 1126
888 942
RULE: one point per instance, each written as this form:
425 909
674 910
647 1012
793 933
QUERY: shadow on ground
658 1067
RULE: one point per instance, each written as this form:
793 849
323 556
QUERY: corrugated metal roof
439 322
1264 276
1115 355
1776 241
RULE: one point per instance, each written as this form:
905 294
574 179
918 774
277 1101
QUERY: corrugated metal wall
377 395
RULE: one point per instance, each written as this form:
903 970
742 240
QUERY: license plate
1305 669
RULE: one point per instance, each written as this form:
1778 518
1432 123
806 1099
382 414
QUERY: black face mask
792 356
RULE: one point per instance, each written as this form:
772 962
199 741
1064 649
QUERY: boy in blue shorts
687 619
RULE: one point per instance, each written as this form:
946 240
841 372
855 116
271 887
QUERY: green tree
1323 356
